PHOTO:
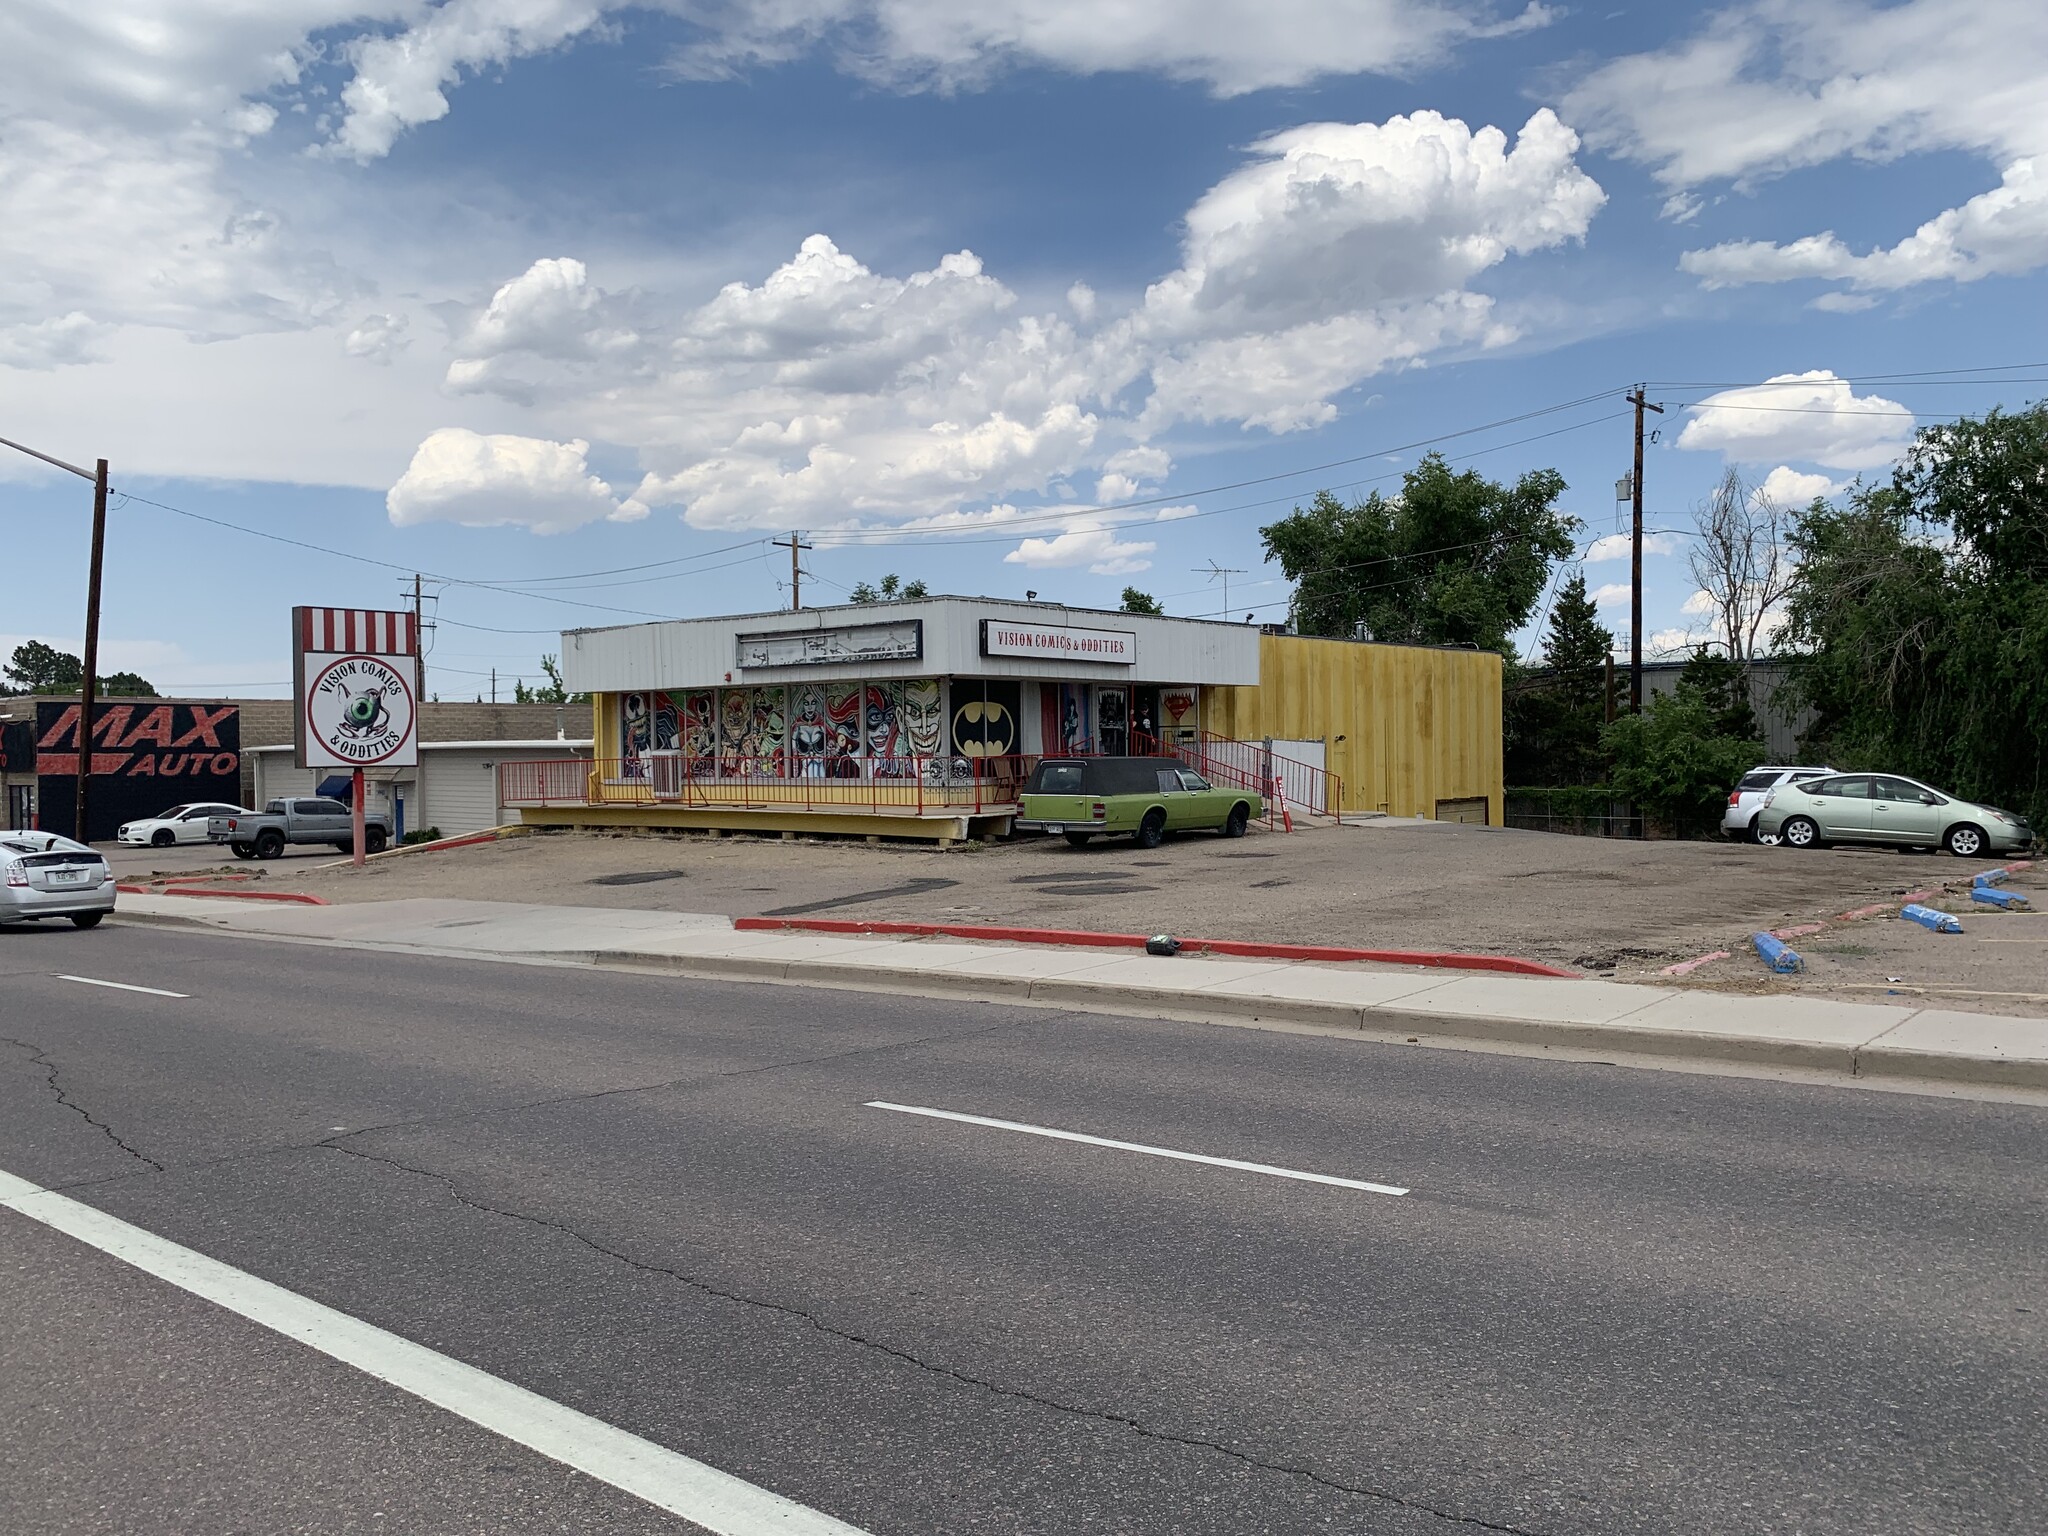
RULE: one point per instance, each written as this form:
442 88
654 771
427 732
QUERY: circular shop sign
360 709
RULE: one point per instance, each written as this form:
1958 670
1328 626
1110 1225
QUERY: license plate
67 876
1054 827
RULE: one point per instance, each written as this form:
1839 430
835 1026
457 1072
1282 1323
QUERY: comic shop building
835 718
922 718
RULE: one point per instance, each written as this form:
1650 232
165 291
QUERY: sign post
356 700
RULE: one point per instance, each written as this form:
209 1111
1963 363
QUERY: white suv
1746 800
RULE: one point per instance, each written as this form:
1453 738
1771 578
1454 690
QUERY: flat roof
884 607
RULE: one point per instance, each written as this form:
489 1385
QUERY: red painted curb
1454 962
298 898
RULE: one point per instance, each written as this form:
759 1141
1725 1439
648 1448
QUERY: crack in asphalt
38 1058
430 1121
917 1362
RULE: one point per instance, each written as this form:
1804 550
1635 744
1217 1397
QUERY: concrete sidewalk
1418 1005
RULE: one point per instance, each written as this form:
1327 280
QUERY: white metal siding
701 653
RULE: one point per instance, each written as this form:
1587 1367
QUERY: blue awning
338 786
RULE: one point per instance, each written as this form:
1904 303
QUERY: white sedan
180 824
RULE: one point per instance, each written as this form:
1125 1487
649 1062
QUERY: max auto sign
145 757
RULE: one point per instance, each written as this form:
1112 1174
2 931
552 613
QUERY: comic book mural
810 731
985 725
924 716
882 729
1074 732
842 713
761 746
647 723
700 731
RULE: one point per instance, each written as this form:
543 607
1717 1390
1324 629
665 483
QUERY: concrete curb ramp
1858 1040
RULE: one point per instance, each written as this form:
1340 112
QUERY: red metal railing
1284 781
911 785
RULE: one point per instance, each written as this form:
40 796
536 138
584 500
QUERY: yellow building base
943 829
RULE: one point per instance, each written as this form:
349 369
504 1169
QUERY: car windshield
172 814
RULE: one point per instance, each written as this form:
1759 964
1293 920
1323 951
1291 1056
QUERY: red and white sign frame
321 637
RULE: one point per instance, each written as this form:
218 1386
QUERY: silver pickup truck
264 836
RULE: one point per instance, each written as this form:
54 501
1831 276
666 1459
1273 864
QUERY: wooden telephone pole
88 691
795 545
1635 588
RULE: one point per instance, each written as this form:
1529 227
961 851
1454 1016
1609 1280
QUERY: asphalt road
1614 1301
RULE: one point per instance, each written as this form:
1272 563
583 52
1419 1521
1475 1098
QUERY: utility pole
1635 589
419 645
494 685
795 545
88 685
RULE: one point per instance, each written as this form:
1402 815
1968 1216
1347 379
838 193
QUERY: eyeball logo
360 709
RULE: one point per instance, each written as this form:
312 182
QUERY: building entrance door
1145 720
21 807
1113 720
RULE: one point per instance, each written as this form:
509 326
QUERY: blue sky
1001 296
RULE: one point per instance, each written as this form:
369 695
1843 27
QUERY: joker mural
924 716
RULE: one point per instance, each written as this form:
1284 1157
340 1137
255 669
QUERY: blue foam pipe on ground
1927 917
1778 955
2006 899
1990 877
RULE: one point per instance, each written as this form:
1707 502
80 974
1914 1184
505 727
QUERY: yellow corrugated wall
1418 725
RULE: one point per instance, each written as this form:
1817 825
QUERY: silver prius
44 875
1883 809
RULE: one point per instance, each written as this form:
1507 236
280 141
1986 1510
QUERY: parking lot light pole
89 684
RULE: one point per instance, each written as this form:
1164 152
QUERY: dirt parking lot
1609 908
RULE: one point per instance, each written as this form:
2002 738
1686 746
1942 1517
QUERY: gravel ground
1610 908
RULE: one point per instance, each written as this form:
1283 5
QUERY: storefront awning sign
1058 642
852 643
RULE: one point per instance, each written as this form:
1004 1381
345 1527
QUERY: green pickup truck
1147 797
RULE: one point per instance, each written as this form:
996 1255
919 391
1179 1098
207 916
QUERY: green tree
1673 762
39 668
1919 616
1561 710
127 685
1724 686
1455 559
553 691
1140 602
891 590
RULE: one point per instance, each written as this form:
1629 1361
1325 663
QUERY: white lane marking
1133 1146
715 1500
122 986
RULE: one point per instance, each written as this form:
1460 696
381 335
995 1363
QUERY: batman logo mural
984 728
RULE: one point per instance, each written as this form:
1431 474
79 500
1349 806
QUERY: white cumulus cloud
828 394
1811 418
1085 543
1612 594
1620 546
1789 488
1766 87
488 480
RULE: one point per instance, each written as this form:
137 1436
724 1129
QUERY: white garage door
461 793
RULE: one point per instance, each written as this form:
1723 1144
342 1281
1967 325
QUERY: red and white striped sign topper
357 631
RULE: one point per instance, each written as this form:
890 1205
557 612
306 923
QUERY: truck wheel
1078 839
1239 818
373 840
242 850
269 844
1152 830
